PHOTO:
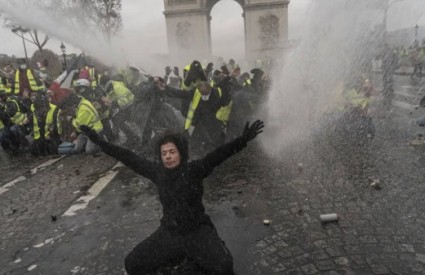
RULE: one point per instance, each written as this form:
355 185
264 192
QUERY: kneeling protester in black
186 231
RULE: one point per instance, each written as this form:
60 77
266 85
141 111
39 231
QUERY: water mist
29 14
336 42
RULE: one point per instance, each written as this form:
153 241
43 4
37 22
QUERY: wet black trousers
164 248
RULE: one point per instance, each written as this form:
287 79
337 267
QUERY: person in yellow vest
244 79
193 74
79 111
17 115
46 126
5 85
6 77
82 87
26 82
120 98
89 72
201 123
357 97
5 124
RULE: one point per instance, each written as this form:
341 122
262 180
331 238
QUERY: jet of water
337 44
29 14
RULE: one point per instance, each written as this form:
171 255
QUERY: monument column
189 31
266 27
188 28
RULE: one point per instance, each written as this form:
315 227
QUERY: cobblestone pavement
379 231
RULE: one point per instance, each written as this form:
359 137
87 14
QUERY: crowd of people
214 104
206 103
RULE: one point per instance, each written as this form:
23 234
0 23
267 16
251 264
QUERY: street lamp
17 29
63 49
388 4
416 33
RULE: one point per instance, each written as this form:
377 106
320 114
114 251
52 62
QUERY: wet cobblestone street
379 230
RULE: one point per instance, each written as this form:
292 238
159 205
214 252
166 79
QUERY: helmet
82 86
82 82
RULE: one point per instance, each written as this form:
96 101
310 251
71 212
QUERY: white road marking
406 94
5 187
38 245
409 87
44 165
94 191
18 260
404 105
49 241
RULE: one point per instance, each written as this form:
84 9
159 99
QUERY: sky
144 30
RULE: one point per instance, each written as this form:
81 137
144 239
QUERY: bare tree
26 32
94 15
31 35
107 16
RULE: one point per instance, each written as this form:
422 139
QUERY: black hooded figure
186 231
190 79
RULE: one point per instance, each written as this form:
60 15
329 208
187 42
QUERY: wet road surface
379 231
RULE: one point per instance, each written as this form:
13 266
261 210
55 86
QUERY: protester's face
7 68
33 97
204 88
170 155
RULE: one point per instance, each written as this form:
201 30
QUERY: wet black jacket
180 189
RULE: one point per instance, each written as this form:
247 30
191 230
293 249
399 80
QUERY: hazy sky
144 27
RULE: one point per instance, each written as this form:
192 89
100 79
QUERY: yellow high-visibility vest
86 114
357 99
121 94
49 123
33 84
6 88
223 113
19 118
247 83
194 105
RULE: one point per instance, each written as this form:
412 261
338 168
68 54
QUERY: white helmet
82 82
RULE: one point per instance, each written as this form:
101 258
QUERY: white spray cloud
334 37
29 14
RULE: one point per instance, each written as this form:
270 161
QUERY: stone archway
189 31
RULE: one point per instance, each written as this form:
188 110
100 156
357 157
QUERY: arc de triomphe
189 31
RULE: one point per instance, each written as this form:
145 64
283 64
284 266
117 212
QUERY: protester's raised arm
137 163
213 159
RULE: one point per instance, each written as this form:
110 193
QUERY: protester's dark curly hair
179 140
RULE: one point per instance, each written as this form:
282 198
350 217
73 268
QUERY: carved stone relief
183 34
269 30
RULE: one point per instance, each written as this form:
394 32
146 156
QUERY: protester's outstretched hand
90 133
224 69
209 68
251 131
167 70
176 71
